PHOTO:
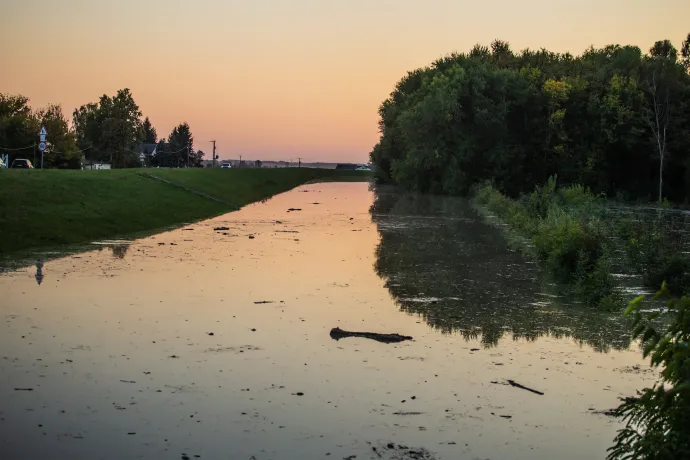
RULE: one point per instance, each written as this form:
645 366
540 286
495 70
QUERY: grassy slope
243 186
50 208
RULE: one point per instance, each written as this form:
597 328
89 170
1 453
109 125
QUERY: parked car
225 165
22 163
363 168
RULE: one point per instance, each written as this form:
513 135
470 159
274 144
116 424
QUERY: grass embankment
49 208
579 241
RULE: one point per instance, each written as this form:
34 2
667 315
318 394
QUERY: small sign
42 146
43 131
42 138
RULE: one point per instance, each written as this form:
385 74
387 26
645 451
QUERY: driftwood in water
337 334
517 385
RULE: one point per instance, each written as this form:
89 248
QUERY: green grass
51 208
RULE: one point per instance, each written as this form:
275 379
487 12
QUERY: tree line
613 119
108 131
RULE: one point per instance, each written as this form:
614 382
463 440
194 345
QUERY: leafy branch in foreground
658 419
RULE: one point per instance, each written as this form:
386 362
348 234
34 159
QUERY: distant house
148 149
146 152
90 164
350 166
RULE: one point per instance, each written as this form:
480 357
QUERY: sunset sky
281 79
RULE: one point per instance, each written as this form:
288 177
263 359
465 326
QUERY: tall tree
62 149
516 119
660 79
181 142
150 135
685 53
197 159
18 126
111 129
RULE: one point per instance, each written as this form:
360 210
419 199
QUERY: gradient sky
278 79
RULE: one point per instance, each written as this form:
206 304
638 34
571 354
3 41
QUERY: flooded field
214 341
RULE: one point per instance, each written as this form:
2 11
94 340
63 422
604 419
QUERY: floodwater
159 348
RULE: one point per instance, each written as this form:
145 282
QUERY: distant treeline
612 119
109 131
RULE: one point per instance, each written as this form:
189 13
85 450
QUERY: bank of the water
49 208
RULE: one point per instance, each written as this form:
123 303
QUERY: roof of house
346 166
147 148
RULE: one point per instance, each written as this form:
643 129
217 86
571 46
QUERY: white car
225 165
363 168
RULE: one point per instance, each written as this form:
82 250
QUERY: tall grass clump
567 235
656 250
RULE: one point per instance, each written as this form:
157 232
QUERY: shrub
658 419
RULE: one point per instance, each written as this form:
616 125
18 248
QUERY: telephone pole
240 163
214 153
299 162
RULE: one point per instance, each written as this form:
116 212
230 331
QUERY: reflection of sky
95 340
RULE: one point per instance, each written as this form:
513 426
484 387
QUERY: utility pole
299 162
240 165
214 153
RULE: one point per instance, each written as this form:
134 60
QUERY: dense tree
518 118
18 127
685 53
196 159
62 149
19 131
150 135
111 129
178 149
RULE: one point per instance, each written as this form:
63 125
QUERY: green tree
661 73
111 129
517 119
685 53
62 149
658 419
181 142
196 159
18 127
150 135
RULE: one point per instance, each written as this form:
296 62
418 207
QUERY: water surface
158 348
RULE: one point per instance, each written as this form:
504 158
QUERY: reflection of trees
119 250
440 261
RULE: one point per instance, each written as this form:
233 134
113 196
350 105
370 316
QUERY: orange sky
278 79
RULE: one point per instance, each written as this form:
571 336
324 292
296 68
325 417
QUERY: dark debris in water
337 334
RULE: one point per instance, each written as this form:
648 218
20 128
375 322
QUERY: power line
20 148
78 151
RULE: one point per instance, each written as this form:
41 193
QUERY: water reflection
39 272
440 261
119 250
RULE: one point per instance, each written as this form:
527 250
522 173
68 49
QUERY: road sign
42 138
42 146
43 131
